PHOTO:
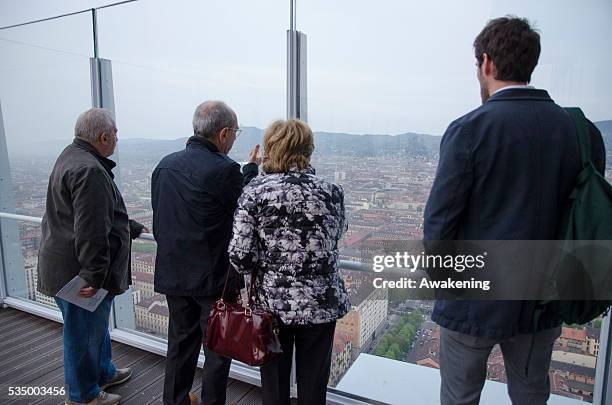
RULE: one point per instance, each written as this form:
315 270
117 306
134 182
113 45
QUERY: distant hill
408 144
604 126
325 143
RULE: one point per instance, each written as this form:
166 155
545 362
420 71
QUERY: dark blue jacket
505 172
194 194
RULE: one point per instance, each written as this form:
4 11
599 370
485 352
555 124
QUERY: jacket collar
307 170
199 142
108 164
520 94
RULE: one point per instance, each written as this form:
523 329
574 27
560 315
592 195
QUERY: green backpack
587 217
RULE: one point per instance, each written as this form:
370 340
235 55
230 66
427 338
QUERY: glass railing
44 85
383 332
371 70
378 119
21 271
156 94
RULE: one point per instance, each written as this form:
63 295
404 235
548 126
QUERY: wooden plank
141 376
8 314
237 391
141 388
252 397
32 354
16 328
57 379
158 389
15 370
27 343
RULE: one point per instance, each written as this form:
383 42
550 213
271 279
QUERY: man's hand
254 156
87 292
136 229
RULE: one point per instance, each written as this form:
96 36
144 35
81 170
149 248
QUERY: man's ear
488 65
223 135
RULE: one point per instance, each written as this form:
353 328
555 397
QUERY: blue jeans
87 349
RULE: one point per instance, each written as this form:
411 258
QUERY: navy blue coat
505 172
194 194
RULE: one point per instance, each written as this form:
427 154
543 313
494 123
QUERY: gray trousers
463 366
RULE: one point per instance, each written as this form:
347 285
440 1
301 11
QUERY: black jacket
85 229
506 170
194 194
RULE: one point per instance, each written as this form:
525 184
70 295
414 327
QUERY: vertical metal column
102 96
603 372
2 277
12 272
297 102
4 173
101 75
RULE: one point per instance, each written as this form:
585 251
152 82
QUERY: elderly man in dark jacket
194 194
506 170
86 233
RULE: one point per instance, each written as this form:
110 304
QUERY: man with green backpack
507 171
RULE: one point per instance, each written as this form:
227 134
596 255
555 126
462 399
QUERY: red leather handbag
248 333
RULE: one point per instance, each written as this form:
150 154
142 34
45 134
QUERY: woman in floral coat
286 231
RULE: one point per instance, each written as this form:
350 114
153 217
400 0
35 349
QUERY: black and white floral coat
286 228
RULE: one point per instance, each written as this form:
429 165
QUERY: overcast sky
373 67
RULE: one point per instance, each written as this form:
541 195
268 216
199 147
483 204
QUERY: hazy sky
373 67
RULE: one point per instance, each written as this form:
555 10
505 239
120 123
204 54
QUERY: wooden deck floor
31 355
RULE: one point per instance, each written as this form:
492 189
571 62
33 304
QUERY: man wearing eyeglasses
194 195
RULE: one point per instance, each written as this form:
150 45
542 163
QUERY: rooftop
573 368
575 334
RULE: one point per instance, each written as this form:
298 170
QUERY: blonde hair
287 144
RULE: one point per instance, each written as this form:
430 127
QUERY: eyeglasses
236 130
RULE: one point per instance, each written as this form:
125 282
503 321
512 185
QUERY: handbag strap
253 298
230 268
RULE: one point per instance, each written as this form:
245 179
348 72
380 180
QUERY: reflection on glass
161 72
22 281
150 308
44 86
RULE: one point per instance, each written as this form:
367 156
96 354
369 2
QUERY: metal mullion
602 394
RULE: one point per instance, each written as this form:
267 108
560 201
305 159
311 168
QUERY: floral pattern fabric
286 230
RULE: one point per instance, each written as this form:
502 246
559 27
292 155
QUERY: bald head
211 117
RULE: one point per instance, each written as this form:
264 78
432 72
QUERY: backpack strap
582 133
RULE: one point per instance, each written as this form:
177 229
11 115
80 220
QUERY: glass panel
161 72
384 83
44 86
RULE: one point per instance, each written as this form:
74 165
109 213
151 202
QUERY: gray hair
210 117
93 122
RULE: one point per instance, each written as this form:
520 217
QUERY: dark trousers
187 327
463 366
313 350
